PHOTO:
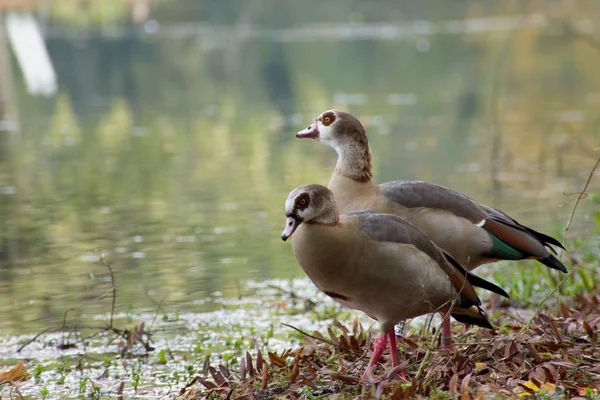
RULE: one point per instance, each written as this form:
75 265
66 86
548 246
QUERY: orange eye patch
328 118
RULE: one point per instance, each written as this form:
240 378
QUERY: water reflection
170 154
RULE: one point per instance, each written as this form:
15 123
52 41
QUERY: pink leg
393 348
394 352
378 348
446 338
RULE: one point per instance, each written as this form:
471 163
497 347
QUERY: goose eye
327 120
303 201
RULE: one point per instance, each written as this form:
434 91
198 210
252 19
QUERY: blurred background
161 134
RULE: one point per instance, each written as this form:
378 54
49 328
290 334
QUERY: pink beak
291 224
312 132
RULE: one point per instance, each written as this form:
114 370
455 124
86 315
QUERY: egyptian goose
472 233
379 264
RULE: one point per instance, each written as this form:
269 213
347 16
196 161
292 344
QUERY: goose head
309 204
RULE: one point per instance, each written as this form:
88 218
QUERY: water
170 148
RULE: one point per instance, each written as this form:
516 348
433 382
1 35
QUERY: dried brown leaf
224 371
15 374
344 342
276 360
265 377
243 369
206 365
354 345
310 342
295 371
355 326
453 386
260 362
590 331
120 390
319 335
249 365
566 364
216 375
534 353
464 388
555 330
345 378
208 384
334 339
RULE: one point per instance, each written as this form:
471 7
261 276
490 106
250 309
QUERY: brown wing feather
417 194
414 194
391 228
516 238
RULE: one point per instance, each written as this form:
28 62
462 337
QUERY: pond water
170 147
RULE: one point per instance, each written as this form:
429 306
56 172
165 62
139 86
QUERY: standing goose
379 264
472 233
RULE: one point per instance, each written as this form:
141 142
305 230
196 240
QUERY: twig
113 287
158 307
285 291
427 355
580 196
13 388
33 339
64 324
438 333
317 338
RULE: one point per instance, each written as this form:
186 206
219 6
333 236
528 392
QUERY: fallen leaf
345 378
589 330
464 388
532 350
481 368
549 387
294 373
265 377
276 360
249 366
15 374
530 386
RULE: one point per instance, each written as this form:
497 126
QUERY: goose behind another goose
472 233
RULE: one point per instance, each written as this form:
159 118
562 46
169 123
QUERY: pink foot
378 348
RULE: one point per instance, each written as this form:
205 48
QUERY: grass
556 357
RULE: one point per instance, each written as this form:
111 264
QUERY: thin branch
580 196
428 354
33 339
317 338
158 307
539 307
113 289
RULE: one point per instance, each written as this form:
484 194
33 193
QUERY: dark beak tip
284 238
